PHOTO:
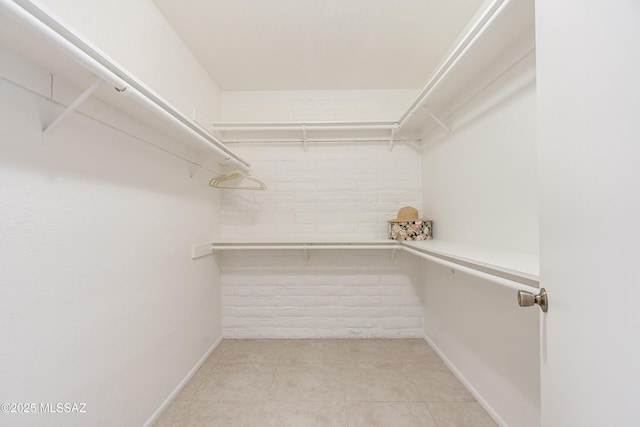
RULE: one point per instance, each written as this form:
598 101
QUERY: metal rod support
71 108
202 168
393 134
304 137
446 128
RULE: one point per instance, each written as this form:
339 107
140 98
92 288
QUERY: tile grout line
343 387
273 379
424 402
426 405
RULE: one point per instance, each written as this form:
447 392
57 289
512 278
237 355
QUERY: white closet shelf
511 269
501 39
35 33
371 244
208 248
515 266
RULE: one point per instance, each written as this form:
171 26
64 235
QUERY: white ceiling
319 44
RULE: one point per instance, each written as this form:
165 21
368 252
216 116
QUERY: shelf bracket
393 134
201 250
304 137
394 254
71 108
202 167
446 128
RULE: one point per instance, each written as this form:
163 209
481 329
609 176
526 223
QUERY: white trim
154 417
474 392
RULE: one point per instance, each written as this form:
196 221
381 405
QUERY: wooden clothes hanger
218 182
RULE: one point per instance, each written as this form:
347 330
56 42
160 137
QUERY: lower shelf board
511 269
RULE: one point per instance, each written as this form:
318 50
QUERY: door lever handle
526 299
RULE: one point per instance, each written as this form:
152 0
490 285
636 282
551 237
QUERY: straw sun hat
406 214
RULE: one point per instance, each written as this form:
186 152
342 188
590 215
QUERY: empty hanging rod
473 272
301 127
304 137
520 282
302 246
96 61
377 244
384 139
393 134
308 123
459 52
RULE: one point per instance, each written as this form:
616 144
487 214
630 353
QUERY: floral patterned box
410 230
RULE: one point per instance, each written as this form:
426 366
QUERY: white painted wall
479 187
589 100
480 182
136 35
100 301
488 339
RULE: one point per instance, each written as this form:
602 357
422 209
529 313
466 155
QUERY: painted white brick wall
315 105
331 192
337 294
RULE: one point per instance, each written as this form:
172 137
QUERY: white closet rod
458 53
301 127
100 64
110 126
304 247
309 123
485 21
207 249
473 272
319 140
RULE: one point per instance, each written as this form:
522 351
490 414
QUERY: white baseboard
481 400
154 417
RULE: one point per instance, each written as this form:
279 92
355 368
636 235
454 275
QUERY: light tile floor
324 383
